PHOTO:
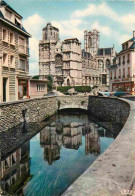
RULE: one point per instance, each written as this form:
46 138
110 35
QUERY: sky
115 19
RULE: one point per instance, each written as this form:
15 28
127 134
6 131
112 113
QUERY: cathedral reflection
15 171
69 135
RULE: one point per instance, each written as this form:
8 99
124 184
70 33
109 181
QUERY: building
38 88
97 59
90 70
61 60
14 55
71 66
15 170
122 71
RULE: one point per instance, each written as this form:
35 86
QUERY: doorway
4 89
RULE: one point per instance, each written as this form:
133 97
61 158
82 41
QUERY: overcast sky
114 19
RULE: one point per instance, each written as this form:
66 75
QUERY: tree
49 83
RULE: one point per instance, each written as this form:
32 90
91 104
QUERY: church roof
104 51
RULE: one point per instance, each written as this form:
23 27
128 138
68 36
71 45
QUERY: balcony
23 50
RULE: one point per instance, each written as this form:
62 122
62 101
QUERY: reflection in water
57 154
15 171
69 135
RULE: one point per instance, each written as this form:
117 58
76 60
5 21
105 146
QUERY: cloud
103 29
34 25
124 38
69 28
96 10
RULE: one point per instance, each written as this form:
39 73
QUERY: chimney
133 33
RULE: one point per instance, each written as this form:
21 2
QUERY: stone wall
32 110
65 102
109 109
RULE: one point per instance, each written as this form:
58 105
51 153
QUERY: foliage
82 89
49 83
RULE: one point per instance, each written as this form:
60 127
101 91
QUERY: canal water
54 158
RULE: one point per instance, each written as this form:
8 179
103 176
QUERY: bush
49 83
81 89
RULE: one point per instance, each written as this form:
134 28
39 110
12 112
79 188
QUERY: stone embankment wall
113 173
33 110
109 109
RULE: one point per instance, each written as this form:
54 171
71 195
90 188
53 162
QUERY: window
123 60
12 61
123 72
111 75
128 58
115 74
5 59
40 87
11 35
4 35
22 45
119 60
22 64
119 73
126 45
128 71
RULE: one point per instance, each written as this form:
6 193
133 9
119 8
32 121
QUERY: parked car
117 94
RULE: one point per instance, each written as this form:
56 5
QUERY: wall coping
114 170
25 100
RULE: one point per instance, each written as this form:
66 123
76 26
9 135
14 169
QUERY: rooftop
17 25
3 3
104 51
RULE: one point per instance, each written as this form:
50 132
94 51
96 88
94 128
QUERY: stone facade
122 71
61 60
96 61
71 66
14 55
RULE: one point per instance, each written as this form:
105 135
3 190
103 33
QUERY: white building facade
122 72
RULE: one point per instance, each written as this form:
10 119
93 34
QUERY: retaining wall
32 110
113 173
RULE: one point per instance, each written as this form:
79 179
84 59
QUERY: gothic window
107 62
45 35
90 41
58 59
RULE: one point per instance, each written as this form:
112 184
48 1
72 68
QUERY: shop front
123 87
23 88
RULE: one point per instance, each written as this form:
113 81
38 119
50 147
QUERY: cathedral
68 64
